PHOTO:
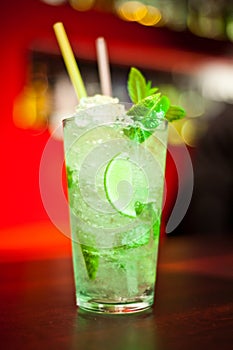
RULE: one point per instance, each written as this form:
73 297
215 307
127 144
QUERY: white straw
103 66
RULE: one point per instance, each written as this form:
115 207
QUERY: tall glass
115 190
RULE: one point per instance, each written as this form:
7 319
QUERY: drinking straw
69 59
103 66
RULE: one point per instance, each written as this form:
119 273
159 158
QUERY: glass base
115 307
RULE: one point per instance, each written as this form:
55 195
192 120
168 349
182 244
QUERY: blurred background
184 46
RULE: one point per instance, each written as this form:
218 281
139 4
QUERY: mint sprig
147 115
150 107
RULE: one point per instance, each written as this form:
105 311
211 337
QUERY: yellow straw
69 59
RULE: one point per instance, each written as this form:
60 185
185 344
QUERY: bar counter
193 306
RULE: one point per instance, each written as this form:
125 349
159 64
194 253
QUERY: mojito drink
115 160
115 191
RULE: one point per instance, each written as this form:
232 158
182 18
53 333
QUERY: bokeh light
152 16
82 5
229 27
193 103
189 132
174 132
138 11
32 106
131 10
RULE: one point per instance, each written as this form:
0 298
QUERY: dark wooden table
193 307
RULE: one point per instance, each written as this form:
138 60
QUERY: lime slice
125 184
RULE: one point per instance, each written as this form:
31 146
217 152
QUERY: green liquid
114 255
122 275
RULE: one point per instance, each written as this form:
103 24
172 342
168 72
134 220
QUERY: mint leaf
139 207
91 258
136 133
144 107
137 87
150 90
69 176
161 107
175 113
147 114
152 107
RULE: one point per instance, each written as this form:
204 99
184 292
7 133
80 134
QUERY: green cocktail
115 160
115 188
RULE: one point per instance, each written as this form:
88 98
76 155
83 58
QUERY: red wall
28 24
